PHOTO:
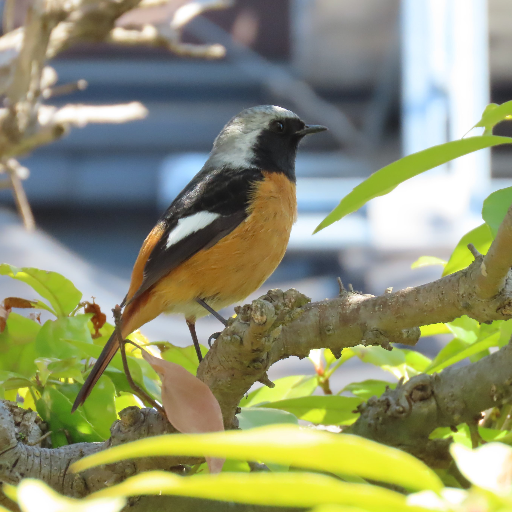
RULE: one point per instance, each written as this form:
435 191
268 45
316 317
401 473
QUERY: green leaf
428 261
392 361
51 340
465 328
325 410
252 417
91 350
475 348
494 114
386 179
184 356
100 407
368 388
55 409
452 348
285 444
56 289
416 361
287 387
12 380
434 330
281 489
495 208
481 237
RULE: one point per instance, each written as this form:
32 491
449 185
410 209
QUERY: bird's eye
278 126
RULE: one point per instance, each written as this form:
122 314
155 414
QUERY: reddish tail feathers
108 352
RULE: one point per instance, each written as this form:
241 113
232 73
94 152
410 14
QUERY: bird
223 235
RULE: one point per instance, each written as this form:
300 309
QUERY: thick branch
406 416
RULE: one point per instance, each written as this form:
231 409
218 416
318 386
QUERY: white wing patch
188 225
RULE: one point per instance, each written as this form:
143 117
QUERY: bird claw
214 336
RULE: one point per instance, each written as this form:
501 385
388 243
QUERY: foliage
46 357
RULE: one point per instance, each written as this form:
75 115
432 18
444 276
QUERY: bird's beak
310 128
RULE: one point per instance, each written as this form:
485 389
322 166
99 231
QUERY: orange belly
234 267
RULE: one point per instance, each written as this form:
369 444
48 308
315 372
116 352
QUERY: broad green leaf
286 387
392 361
56 289
285 444
506 332
91 350
386 179
125 400
368 388
428 261
481 237
12 380
434 330
35 496
475 348
338 508
495 208
51 340
253 417
416 360
325 410
55 409
465 328
280 489
100 408
58 368
494 114
451 349
184 356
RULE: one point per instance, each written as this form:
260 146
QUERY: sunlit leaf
494 114
475 348
325 410
12 380
184 356
253 417
428 261
286 387
35 496
434 330
56 289
465 328
368 388
481 237
495 208
280 489
285 444
386 179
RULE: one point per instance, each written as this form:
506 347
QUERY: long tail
108 352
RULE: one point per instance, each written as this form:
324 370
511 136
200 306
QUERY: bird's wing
209 208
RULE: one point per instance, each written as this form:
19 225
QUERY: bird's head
266 137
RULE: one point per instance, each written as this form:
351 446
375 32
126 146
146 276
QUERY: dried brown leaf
189 404
98 317
4 313
17 302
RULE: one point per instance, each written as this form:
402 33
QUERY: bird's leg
213 336
192 329
139 392
220 318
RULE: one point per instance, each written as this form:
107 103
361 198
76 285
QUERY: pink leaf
188 402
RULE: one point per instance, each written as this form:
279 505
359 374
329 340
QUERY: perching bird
224 234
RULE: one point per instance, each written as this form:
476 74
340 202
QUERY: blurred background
381 75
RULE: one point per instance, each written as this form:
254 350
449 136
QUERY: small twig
79 85
350 287
474 251
138 391
340 284
42 438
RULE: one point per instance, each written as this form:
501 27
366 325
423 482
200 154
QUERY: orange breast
237 265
